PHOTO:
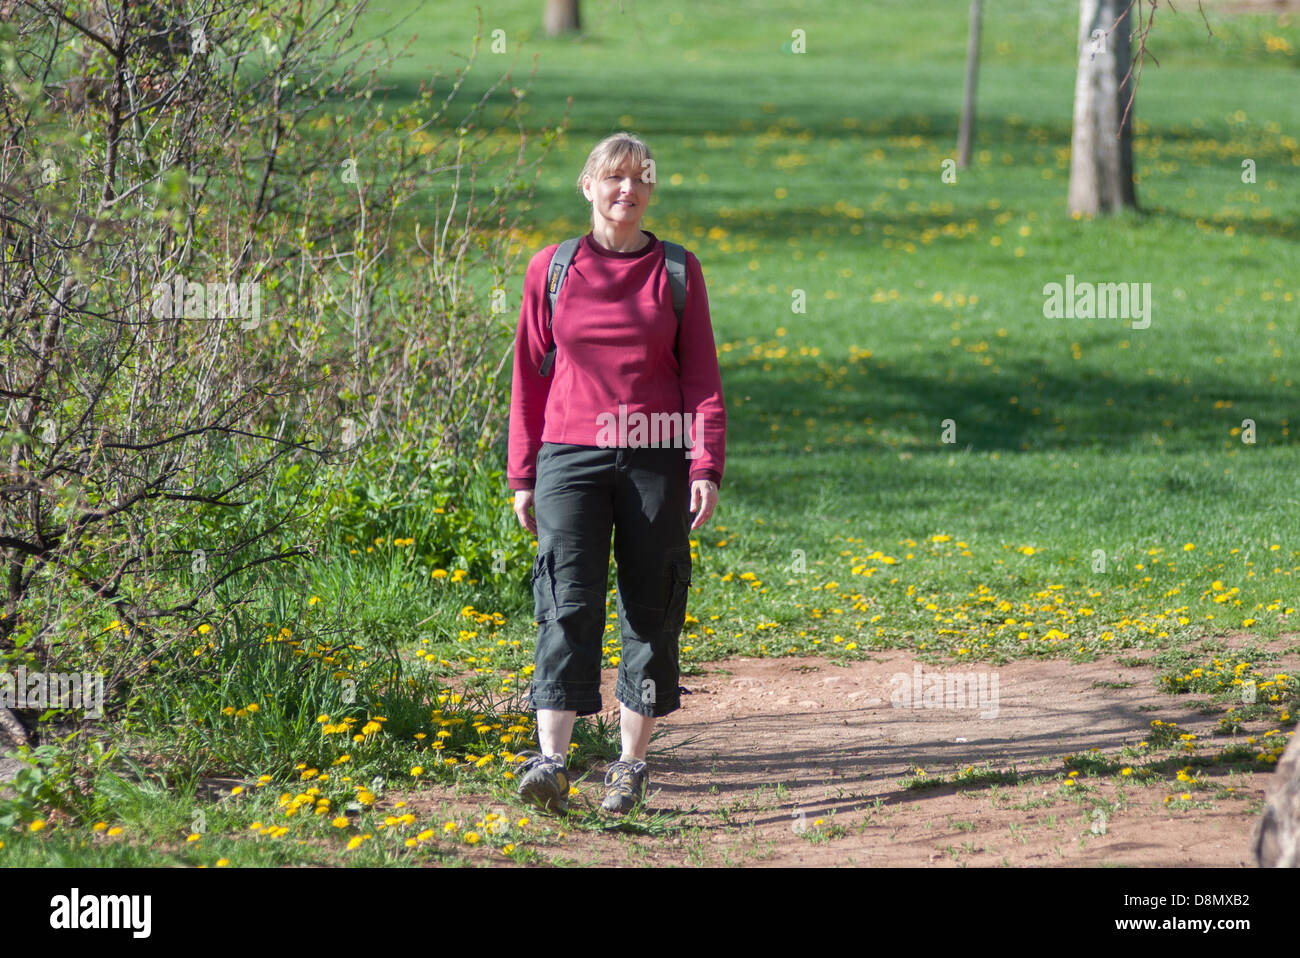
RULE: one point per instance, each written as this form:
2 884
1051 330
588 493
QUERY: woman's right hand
524 510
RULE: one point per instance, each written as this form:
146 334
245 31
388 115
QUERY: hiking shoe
625 786
544 781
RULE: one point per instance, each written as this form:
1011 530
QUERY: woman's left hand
704 499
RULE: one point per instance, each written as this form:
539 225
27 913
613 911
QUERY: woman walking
621 358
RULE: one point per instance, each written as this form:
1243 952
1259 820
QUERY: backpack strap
555 274
674 262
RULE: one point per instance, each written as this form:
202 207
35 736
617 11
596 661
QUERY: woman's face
619 196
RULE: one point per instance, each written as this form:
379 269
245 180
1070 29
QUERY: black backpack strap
555 274
675 261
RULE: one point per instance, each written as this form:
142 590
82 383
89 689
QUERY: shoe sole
536 793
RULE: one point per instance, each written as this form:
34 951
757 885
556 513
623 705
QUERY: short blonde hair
611 153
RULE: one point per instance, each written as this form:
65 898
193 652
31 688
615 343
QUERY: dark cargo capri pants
580 493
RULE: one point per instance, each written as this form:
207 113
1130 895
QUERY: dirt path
803 762
837 741
799 761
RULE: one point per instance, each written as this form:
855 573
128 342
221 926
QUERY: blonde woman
622 429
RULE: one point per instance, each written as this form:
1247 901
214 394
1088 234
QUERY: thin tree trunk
1101 149
10 725
966 133
561 17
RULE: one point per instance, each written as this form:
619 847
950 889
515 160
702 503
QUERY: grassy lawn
1086 454
1096 494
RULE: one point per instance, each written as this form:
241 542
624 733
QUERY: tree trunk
561 17
966 132
11 727
1101 149
1277 834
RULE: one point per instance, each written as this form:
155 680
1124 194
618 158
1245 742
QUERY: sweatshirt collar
590 242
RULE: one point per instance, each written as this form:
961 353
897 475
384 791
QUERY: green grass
1106 450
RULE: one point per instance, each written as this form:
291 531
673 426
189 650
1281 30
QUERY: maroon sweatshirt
614 332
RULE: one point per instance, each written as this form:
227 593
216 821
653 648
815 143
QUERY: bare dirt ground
794 762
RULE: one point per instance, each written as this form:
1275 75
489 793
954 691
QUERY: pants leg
574 505
652 549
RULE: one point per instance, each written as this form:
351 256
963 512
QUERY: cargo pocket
680 579
544 585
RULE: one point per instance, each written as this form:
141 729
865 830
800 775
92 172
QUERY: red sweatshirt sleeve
529 389
701 379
